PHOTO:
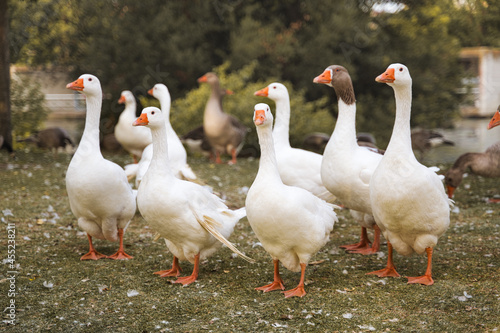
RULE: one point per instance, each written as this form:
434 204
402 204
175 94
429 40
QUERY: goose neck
268 166
345 127
160 164
90 136
401 134
282 123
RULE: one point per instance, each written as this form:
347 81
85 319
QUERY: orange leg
120 254
364 242
277 283
93 254
233 155
174 271
389 270
185 280
299 290
376 243
217 158
425 279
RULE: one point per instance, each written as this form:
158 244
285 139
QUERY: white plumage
408 199
99 194
297 167
193 221
291 223
347 168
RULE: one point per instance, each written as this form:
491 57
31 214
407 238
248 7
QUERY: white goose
291 223
347 168
133 139
176 151
408 199
98 191
297 167
193 221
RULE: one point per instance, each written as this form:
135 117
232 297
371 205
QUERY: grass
57 292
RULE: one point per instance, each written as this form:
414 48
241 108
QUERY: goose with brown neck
347 168
485 164
224 132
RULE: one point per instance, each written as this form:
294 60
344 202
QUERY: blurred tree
477 23
133 45
5 121
28 109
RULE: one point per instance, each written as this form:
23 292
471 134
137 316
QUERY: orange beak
75 85
386 77
450 190
263 92
203 79
325 77
259 117
495 121
150 91
142 120
121 100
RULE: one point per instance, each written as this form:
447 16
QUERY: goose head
262 116
86 83
275 91
210 78
151 117
339 79
126 97
495 121
395 75
159 90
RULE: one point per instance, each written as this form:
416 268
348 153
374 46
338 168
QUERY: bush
28 111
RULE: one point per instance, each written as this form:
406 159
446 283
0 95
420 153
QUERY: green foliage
307 117
27 106
133 45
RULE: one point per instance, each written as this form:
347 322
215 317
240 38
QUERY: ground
53 290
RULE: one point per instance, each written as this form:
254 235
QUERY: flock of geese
290 205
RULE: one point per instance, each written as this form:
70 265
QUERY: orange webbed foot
388 271
276 285
93 255
185 280
297 291
120 255
424 279
365 251
356 246
169 272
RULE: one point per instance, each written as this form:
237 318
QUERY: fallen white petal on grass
467 295
102 287
132 293
26 238
7 212
345 272
367 327
347 315
46 234
279 325
455 210
48 284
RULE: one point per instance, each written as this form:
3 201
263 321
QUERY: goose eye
274 87
90 79
401 69
152 112
337 70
